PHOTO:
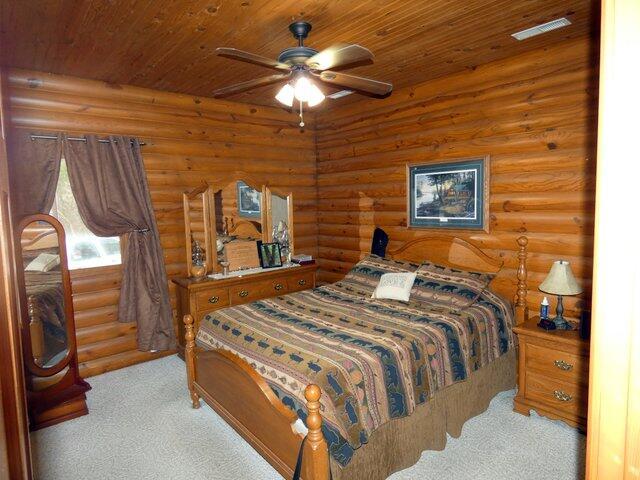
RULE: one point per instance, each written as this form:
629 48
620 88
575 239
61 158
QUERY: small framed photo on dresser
452 194
270 254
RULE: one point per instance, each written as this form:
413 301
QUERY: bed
375 381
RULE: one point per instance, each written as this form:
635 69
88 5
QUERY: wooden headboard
448 251
245 229
39 238
456 252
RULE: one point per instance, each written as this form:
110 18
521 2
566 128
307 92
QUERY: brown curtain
34 171
110 187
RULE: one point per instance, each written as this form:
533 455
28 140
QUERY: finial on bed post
189 359
522 311
317 453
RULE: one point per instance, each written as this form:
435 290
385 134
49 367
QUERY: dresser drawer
240 294
212 299
557 364
279 287
301 281
561 396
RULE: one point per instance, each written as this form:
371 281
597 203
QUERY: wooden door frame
613 440
16 459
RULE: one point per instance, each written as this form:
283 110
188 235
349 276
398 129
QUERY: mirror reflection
238 213
45 293
280 224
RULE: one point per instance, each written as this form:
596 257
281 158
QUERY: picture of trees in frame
449 195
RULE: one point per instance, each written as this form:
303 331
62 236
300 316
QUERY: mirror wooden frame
268 222
62 396
204 194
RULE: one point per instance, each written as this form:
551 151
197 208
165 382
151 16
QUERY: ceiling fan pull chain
300 115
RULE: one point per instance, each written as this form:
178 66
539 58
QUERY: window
84 249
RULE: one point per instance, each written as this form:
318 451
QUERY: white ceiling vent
543 28
340 94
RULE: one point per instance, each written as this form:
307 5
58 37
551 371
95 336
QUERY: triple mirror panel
224 222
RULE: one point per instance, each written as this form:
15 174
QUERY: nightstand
553 373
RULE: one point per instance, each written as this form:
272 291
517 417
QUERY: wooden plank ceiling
170 45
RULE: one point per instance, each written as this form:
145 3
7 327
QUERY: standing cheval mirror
55 390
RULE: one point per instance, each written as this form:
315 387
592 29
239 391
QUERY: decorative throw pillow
395 286
457 289
43 263
366 274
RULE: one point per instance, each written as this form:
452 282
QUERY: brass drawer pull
214 299
243 293
302 282
562 365
278 286
562 396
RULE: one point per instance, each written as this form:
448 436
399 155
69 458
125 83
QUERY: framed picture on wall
248 200
452 194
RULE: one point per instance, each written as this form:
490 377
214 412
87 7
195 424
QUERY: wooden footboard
244 399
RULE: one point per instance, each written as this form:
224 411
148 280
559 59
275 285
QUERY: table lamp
560 281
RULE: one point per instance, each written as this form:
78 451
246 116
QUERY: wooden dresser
553 373
201 297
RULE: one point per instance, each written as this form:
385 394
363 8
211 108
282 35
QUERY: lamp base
547 324
562 324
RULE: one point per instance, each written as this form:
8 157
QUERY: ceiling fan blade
244 86
361 84
243 56
339 55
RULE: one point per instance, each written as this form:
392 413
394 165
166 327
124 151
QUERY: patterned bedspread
375 360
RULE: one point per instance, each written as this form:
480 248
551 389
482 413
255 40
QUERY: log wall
534 114
188 140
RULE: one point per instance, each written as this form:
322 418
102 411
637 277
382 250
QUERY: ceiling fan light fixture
286 94
315 96
303 87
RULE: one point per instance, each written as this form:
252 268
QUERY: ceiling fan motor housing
297 55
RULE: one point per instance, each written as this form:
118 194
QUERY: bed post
522 311
189 359
317 455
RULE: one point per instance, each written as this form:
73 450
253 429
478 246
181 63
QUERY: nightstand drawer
557 364
213 299
300 282
561 396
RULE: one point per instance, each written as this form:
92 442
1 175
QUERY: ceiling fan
300 65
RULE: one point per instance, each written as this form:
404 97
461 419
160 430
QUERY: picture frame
249 200
449 195
269 254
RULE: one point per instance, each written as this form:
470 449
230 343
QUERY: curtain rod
74 139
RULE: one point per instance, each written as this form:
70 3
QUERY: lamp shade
560 280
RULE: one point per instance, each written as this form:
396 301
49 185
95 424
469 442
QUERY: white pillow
43 262
395 286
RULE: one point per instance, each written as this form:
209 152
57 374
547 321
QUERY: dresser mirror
279 219
239 224
47 324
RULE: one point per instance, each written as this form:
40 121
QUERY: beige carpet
141 426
